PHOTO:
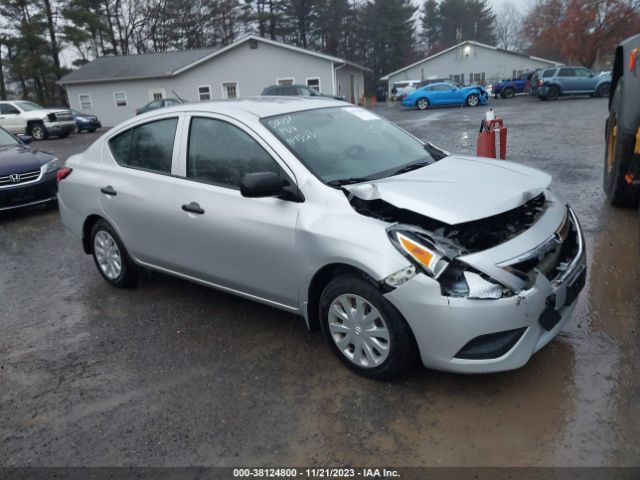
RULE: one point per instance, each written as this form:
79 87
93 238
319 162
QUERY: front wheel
111 257
38 131
603 90
364 329
422 104
509 93
473 100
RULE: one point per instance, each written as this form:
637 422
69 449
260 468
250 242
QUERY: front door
245 244
136 188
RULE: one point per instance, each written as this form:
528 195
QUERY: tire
380 363
618 152
38 131
78 130
473 100
509 92
422 103
603 90
103 236
553 93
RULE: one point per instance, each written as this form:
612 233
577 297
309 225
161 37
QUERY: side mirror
26 139
261 184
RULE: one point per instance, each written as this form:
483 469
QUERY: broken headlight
460 280
423 253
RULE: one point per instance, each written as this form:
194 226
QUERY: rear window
146 147
548 73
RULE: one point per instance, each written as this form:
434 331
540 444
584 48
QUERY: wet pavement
173 373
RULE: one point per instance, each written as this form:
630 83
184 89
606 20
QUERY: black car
27 176
84 121
160 103
296 91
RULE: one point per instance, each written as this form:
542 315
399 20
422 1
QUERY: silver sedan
395 248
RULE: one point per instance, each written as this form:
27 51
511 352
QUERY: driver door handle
193 207
108 190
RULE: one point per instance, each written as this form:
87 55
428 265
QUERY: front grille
64 116
551 258
18 178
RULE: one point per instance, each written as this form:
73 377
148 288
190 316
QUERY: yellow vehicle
622 130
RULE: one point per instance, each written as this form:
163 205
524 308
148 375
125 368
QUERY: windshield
6 138
28 106
341 143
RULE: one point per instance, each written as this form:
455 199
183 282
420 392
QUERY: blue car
441 94
84 121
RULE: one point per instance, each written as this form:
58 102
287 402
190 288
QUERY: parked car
407 90
441 94
22 116
27 176
509 88
622 129
393 247
159 103
84 121
296 91
398 88
557 81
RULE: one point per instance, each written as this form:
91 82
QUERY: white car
22 116
394 248
401 87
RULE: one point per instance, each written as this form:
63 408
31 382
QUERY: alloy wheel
37 132
359 331
107 254
423 103
473 100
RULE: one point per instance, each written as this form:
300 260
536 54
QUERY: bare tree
508 28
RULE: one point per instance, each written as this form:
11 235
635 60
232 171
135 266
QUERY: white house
113 87
470 62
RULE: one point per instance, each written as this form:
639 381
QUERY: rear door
569 82
136 187
244 244
11 120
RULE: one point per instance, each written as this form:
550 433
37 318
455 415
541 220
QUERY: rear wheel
111 257
553 93
364 329
473 100
422 104
617 156
508 92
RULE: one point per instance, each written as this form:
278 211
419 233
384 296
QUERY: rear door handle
193 207
108 190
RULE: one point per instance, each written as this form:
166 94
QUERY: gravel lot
172 373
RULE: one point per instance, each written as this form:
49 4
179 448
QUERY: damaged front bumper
480 336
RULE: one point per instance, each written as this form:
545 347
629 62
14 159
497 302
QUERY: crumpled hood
458 189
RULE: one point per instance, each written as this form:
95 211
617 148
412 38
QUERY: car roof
261 107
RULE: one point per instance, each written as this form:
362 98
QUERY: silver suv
393 247
551 83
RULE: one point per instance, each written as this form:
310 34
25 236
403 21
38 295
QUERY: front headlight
423 253
51 166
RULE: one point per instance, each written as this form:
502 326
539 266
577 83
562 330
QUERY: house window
230 90
156 94
314 83
120 98
285 81
85 101
204 92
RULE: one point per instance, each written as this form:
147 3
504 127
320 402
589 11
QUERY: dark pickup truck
509 88
622 129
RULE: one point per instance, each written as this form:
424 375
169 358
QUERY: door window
567 72
221 153
146 147
6 109
582 72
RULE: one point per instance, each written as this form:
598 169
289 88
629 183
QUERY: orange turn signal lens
423 255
